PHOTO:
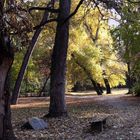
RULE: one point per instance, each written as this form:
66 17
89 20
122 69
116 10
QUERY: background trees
91 56
127 38
97 56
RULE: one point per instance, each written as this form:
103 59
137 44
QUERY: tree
6 60
6 57
127 39
28 55
12 24
58 60
94 39
9 27
96 57
95 84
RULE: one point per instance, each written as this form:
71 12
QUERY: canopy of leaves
96 54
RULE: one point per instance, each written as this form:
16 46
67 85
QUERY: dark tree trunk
100 88
58 66
9 135
43 88
6 60
27 58
97 88
107 85
106 82
129 79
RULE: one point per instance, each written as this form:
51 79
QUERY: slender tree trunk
129 79
27 58
43 88
107 85
96 86
100 88
106 82
58 66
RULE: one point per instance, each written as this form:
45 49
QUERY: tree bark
100 88
58 63
6 57
27 58
97 88
129 79
8 129
107 85
43 88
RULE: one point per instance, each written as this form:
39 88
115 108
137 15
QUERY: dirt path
73 97
123 113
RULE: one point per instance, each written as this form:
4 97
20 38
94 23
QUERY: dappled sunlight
71 98
119 111
30 105
88 93
68 67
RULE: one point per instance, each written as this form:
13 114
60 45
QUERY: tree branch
89 29
43 23
75 11
96 5
112 4
44 20
44 8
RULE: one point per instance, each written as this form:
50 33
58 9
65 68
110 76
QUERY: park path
122 110
117 100
75 97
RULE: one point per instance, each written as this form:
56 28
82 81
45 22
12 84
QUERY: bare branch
75 11
43 23
96 5
89 29
44 8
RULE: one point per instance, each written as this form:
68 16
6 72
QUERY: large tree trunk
6 57
58 67
3 73
8 135
27 57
